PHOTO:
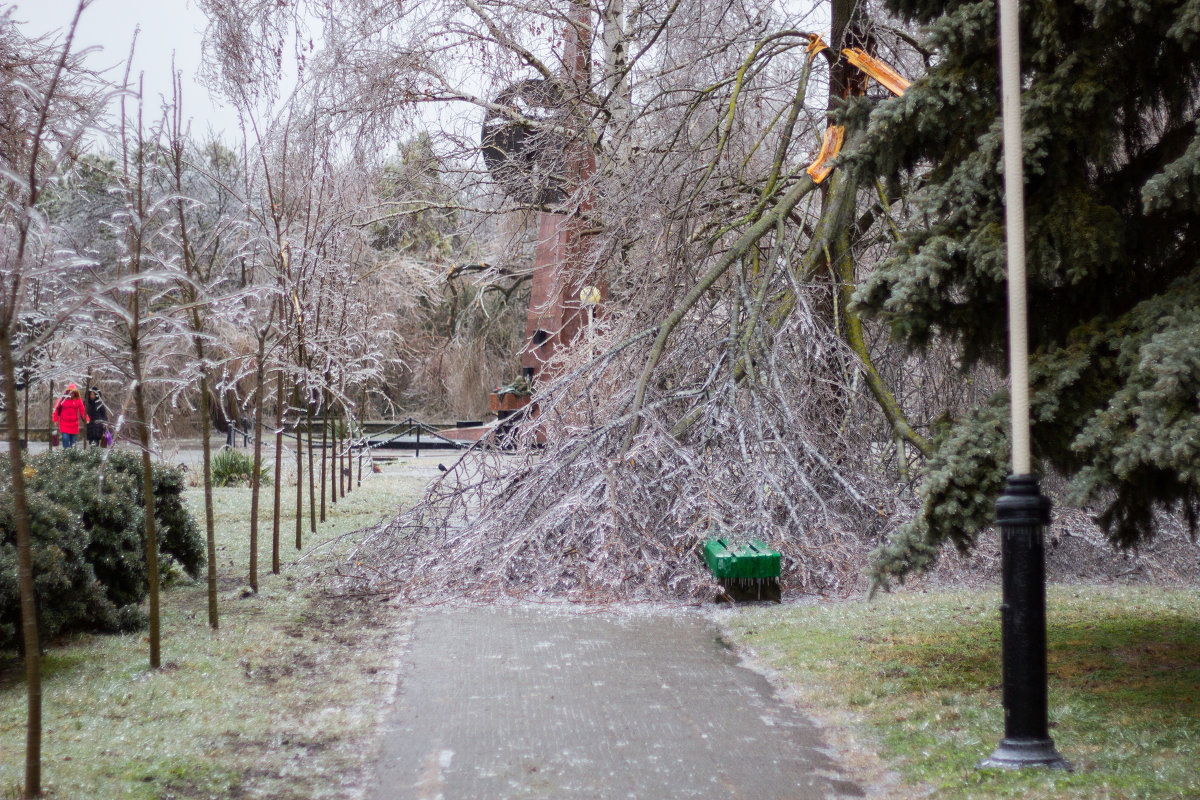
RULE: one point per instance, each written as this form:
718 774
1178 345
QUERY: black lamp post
1022 511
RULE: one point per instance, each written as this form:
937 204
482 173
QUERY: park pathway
516 702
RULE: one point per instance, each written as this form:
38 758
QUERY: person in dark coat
97 416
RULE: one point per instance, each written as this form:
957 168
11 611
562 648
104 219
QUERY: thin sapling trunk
324 447
25 587
278 474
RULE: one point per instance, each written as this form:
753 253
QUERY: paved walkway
524 702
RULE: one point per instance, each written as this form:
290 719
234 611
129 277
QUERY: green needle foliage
88 533
1112 165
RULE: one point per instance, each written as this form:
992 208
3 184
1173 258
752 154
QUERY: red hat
70 386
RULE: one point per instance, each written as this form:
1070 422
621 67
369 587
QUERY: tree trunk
29 629
347 462
278 474
344 453
312 495
83 438
335 458
362 403
50 420
299 475
143 426
347 447
842 75
256 470
324 446
209 522
844 81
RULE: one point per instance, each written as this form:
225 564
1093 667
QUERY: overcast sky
176 26
167 26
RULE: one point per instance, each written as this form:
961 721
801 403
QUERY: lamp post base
1021 753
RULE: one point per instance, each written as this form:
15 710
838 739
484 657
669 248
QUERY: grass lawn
276 704
917 676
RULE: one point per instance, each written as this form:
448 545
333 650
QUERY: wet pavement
549 701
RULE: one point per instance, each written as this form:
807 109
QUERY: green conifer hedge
89 551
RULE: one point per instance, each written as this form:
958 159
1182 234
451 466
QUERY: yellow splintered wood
831 144
881 71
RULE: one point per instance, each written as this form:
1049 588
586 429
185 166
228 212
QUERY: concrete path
524 702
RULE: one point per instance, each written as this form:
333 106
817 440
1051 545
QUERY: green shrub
88 532
233 468
109 508
178 534
68 594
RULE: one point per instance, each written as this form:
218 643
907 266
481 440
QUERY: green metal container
751 560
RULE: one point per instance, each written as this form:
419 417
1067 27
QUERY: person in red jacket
67 414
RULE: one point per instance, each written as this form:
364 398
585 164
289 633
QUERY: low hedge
89 542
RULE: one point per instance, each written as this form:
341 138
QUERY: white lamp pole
1022 511
1014 207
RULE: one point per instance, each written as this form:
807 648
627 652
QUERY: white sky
167 26
177 27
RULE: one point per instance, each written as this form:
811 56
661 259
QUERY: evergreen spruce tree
1112 171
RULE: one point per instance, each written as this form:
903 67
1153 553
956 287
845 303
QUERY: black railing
404 433
393 436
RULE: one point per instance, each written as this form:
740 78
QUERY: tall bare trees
152 266
730 357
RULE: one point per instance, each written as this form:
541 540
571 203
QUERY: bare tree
135 332
203 232
47 104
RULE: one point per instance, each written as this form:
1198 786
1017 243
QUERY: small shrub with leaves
233 468
88 536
